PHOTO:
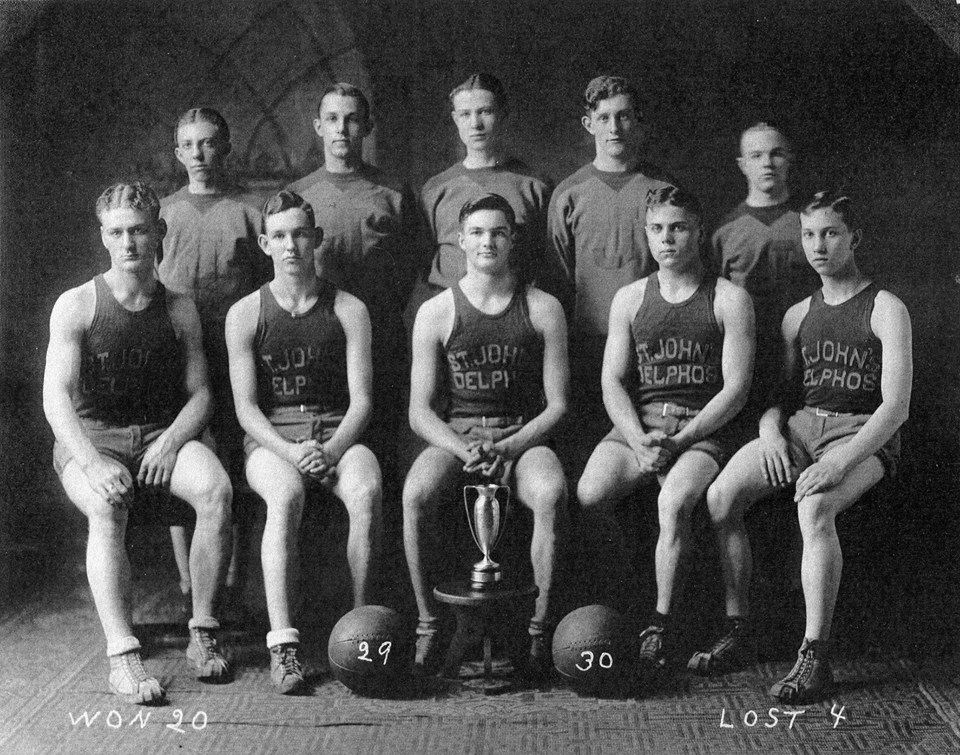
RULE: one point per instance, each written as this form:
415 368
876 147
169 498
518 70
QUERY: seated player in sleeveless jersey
125 391
684 340
498 351
832 432
301 373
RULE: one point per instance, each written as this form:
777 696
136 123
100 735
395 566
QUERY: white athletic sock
282 637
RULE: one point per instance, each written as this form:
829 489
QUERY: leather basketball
589 646
369 649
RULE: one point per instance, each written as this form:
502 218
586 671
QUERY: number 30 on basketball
604 660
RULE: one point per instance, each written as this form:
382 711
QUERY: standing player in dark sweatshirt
596 229
758 247
210 254
833 433
676 370
497 348
369 246
478 107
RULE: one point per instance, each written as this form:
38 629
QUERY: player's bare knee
721 505
591 492
546 494
815 515
213 496
362 501
675 504
419 497
285 501
104 517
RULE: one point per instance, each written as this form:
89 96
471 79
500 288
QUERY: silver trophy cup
486 507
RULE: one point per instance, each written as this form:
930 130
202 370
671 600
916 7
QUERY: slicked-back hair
347 90
206 114
765 126
836 200
136 195
605 87
286 200
489 202
485 81
675 197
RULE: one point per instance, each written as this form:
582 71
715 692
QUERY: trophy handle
504 511
466 508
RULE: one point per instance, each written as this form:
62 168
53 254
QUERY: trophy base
485 580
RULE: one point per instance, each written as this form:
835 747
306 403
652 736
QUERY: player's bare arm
161 457
547 318
734 312
775 461
617 366
71 316
355 322
890 322
431 329
241 329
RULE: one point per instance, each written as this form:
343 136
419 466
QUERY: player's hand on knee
775 462
156 469
111 482
823 475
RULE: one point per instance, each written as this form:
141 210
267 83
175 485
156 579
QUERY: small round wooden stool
480 615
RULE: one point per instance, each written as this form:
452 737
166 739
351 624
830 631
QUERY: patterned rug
54 699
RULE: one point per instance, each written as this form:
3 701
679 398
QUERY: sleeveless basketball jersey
678 347
301 359
131 370
841 355
494 362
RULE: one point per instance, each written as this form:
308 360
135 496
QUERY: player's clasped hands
311 459
655 452
775 462
111 481
484 459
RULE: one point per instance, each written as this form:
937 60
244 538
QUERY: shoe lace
289 661
728 640
134 666
205 639
803 668
651 642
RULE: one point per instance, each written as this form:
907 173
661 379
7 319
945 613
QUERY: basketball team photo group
389 377
498 352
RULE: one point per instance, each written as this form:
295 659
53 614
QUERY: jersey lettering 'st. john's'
678 347
842 358
495 360
864 373
677 361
